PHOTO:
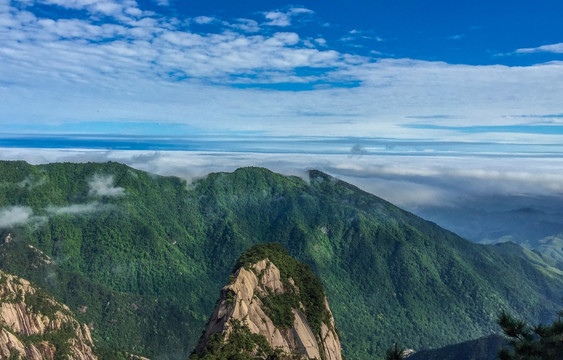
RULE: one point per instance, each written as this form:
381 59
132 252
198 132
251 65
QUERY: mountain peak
277 305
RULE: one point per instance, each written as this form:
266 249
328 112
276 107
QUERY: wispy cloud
456 37
552 48
119 9
31 182
284 18
103 185
204 19
354 35
77 209
14 215
246 25
517 128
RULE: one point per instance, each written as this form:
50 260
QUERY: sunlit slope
168 245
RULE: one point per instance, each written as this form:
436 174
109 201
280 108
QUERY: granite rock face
241 300
34 326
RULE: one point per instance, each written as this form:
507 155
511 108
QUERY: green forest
142 258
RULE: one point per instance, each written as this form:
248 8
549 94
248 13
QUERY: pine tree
537 343
395 353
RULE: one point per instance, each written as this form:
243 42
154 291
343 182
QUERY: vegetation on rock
294 275
266 293
242 345
33 325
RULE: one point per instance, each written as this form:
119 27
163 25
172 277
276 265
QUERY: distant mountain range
141 258
538 226
485 348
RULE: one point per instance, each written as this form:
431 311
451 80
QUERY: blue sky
386 93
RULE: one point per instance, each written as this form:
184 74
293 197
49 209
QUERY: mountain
551 247
485 348
34 326
146 256
533 227
272 306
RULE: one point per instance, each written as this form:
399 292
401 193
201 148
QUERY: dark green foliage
60 339
485 348
168 248
39 303
14 356
395 353
279 308
242 344
538 343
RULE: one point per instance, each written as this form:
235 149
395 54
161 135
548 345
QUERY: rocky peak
276 305
34 326
7 239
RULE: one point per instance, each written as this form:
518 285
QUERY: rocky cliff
34 326
272 306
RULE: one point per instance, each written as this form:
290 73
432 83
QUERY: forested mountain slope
147 255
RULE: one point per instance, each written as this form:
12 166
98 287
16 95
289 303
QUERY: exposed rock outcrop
34 326
257 297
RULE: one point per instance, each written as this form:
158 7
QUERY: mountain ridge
130 237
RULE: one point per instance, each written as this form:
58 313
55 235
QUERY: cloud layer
408 181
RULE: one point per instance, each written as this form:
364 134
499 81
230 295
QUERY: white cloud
354 35
14 216
246 25
204 19
283 18
553 48
78 209
31 182
102 185
117 9
277 18
137 44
